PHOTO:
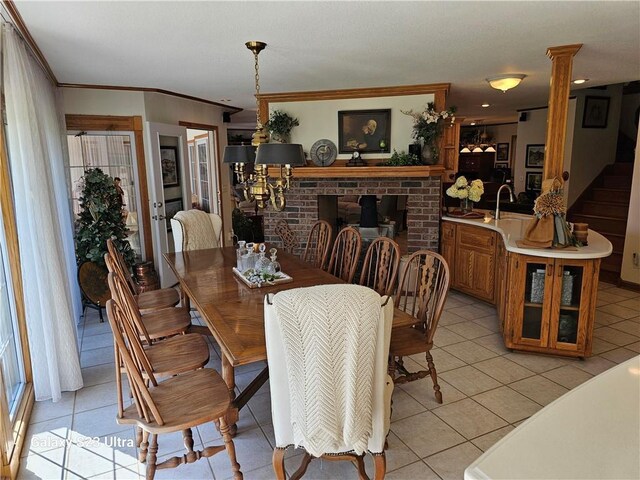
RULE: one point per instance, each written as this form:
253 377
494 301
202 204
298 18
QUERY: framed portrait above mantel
367 131
596 112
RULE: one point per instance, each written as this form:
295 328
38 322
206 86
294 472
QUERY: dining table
234 312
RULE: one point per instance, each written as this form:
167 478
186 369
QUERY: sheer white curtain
52 298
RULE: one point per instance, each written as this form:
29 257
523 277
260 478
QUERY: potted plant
101 218
402 160
280 125
427 128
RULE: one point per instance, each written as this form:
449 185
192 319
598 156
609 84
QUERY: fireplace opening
373 215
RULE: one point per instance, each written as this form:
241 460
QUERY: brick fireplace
423 204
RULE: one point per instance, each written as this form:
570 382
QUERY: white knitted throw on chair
329 334
197 230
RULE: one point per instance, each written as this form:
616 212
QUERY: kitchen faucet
511 199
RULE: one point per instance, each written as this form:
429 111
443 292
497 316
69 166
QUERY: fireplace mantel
368 172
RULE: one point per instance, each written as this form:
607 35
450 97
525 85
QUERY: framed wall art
533 181
535 156
367 131
596 112
171 207
502 154
170 169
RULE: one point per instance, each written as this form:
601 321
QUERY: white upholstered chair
196 230
337 370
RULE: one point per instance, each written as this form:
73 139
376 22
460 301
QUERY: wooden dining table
234 312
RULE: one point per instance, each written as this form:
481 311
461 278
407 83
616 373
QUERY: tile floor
487 391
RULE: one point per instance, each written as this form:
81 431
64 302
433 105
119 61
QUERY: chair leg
306 460
231 449
278 463
434 377
380 463
152 457
144 445
362 472
187 437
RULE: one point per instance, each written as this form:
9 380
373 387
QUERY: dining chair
288 237
146 301
175 405
380 267
152 325
345 254
327 352
196 230
318 242
424 284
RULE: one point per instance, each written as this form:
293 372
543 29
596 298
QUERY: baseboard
628 285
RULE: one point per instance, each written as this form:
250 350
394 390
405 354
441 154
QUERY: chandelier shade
239 154
290 154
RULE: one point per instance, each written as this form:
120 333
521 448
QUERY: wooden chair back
121 293
345 254
424 283
288 237
317 248
380 267
120 266
135 367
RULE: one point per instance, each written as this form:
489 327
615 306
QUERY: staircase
604 205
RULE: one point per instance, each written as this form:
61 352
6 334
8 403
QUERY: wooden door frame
210 128
100 123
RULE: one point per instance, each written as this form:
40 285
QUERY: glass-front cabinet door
533 285
573 283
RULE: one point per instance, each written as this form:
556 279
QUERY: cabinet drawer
477 238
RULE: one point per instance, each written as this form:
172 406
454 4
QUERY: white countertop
512 227
591 432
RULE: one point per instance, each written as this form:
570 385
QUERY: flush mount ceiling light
506 82
580 81
485 105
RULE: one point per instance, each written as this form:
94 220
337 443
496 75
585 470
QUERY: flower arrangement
428 124
463 190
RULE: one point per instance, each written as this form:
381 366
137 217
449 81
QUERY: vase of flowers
467 192
427 128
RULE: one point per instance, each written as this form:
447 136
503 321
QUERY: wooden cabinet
474 261
448 245
502 279
450 146
551 304
476 165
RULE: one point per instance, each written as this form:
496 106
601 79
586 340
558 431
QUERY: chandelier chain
257 77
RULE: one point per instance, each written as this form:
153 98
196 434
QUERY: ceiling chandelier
480 144
251 162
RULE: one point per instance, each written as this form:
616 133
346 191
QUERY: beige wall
630 270
84 101
319 119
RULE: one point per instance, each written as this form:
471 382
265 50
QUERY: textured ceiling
197 48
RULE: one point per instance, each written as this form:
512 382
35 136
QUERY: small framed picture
535 156
596 112
171 207
367 131
502 154
170 170
533 181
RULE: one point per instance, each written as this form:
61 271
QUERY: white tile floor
487 392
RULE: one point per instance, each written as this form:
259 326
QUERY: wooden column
560 85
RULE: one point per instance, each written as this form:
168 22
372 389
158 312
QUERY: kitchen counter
512 227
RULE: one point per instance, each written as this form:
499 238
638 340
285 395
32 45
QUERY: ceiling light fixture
485 105
506 82
472 123
257 185
580 81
